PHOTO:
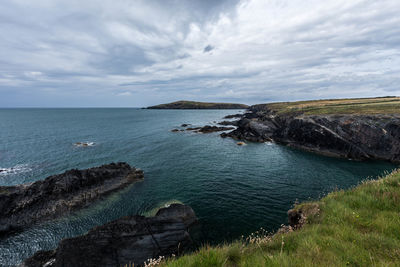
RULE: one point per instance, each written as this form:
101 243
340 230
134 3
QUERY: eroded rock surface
350 136
128 240
24 205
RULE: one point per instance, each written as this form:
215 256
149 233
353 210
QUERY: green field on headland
198 105
356 227
360 106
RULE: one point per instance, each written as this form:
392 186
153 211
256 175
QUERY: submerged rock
130 240
193 128
84 144
57 195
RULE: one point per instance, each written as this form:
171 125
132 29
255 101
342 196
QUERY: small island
198 105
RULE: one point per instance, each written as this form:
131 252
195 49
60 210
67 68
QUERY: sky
134 53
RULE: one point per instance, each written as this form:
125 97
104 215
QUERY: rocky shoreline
24 205
357 137
128 241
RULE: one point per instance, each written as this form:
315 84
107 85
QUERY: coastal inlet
234 190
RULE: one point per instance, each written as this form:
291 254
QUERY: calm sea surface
234 190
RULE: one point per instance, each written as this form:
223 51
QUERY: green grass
356 227
199 105
368 106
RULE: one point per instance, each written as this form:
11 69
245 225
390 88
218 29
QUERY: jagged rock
297 217
210 129
175 130
185 125
128 240
225 123
350 136
26 204
234 116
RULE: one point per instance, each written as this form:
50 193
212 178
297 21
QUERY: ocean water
233 189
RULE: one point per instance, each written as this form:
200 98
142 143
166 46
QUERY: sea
234 190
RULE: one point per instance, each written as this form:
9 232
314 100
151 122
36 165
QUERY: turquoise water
234 190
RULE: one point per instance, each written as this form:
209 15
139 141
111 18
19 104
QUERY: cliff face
23 205
127 241
351 136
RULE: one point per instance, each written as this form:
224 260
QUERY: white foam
84 144
14 170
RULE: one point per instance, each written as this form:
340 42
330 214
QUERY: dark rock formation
185 125
225 123
24 205
209 129
193 128
175 130
297 217
128 240
357 137
234 116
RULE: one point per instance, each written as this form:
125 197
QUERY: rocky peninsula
198 105
128 241
58 195
357 129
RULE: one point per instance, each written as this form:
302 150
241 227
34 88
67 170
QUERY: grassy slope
198 105
380 105
357 227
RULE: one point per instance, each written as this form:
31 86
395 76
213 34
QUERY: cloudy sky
133 53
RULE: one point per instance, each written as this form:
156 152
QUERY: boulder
128 241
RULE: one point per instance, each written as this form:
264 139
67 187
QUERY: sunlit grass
368 106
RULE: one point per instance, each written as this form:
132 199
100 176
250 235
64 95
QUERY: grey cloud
208 48
153 51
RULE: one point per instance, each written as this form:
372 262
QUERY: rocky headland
360 131
198 105
128 241
57 195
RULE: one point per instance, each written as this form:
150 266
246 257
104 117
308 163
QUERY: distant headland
198 105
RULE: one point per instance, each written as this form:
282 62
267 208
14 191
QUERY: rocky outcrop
357 137
297 216
239 115
127 241
225 123
209 129
24 205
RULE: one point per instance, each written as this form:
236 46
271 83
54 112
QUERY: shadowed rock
57 195
128 240
233 123
209 129
357 137
239 115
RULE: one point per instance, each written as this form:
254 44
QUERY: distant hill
198 105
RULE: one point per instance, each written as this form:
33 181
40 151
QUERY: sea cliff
355 129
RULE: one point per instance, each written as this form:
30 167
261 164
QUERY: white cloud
261 49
